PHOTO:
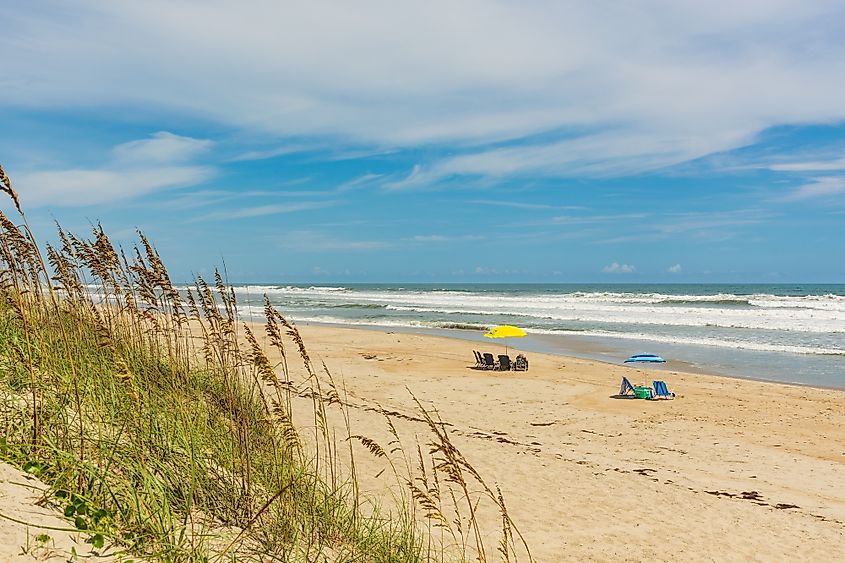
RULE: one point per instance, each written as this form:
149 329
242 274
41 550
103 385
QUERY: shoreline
577 348
790 334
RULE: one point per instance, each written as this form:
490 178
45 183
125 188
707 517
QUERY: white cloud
632 86
444 238
484 271
694 225
268 209
703 224
274 152
517 204
676 269
359 182
80 187
594 219
316 241
135 168
811 166
617 268
161 147
613 153
819 187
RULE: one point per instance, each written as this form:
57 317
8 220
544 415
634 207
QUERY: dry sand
20 494
730 470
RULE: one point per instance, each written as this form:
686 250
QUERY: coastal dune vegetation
162 422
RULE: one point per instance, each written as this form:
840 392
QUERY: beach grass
165 431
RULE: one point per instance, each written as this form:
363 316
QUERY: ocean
791 333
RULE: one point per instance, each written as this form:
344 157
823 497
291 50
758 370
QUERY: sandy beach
730 470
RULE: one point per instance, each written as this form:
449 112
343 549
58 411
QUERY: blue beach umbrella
645 359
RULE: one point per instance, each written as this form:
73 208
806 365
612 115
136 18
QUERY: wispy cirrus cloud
162 161
199 198
811 166
362 181
596 219
318 241
520 204
817 188
444 238
160 147
703 224
700 226
322 151
80 187
617 268
599 155
264 154
264 210
824 178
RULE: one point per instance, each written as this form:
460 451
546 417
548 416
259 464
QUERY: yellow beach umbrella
505 331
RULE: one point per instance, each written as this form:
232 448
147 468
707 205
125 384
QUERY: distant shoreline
787 333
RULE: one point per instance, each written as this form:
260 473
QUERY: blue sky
438 141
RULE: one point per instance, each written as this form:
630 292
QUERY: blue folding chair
626 388
661 392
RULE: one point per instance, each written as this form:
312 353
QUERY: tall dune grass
164 428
